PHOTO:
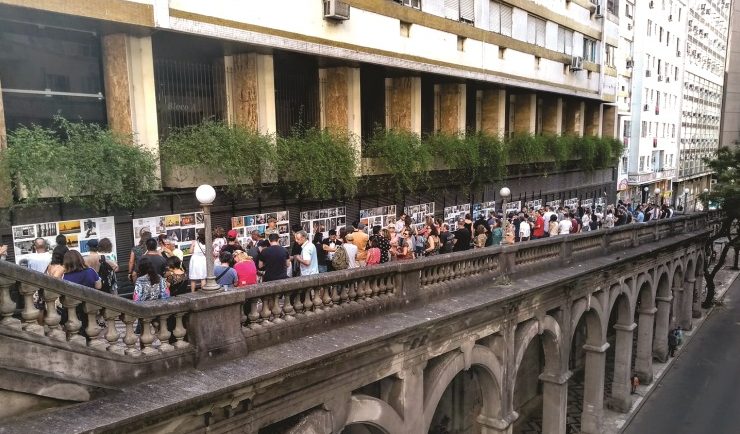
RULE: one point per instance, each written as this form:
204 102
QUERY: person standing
480 237
351 248
360 239
329 246
383 244
308 259
246 269
225 275
176 278
76 271
539 225
672 342
554 226
219 240
274 260
197 270
497 233
462 237
150 285
546 217
40 259
565 226
232 245
152 255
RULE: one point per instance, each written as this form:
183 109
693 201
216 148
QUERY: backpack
340 260
107 277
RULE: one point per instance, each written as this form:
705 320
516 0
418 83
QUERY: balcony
642 178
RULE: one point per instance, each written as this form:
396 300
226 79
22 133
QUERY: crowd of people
157 271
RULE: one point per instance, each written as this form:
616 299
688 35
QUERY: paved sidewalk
615 422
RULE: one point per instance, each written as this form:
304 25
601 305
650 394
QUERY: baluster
130 338
164 334
307 303
147 337
277 311
352 294
254 315
111 333
368 289
374 289
361 285
93 329
288 309
266 312
298 303
73 324
317 300
180 332
52 317
30 314
335 298
344 296
7 305
326 296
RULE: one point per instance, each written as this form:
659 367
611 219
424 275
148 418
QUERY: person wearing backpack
329 246
672 342
99 259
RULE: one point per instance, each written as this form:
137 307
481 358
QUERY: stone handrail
228 322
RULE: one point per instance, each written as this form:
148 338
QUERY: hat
92 243
350 237
232 234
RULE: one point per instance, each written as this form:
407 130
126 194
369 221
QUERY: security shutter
494 17
467 10
531 29
506 19
540 32
452 9
569 42
561 39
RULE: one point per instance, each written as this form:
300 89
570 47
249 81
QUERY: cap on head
232 234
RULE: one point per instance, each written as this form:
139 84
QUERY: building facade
730 121
657 77
701 107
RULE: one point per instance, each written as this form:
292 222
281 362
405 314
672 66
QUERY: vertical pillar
687 301
250 91
554 403
696 302
406 396
573 117
662 322
645 349
128 69
525 113
593 389
552 115
609 122
621 399
450 108
339 93
403 103
592 119
493 112
6 191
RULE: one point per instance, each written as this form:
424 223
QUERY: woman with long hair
76 271
198 251
176 278
432 244
149 285
136 253
480 237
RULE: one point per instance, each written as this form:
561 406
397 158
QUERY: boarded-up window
467 10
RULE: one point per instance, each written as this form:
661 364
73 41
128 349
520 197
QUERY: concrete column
524 110
450 108
403 103
128 69
687 301
609 121
250 91
621 399
406 396
593 389
554 403
552 115
494 426
493 112
696 304
645 350
6 190
592 119
339 93
573 113
662 322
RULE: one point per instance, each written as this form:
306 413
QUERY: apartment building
701 108
657 85
730 121
625 60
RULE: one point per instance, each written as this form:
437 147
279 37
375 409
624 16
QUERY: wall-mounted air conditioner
336 10
576 63
630 63
647 73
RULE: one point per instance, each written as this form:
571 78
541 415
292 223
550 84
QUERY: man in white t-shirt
524 229
40 258
565 226
546 217
351 250
308 259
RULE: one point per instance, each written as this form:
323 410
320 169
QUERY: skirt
197 269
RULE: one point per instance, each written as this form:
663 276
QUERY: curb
656 382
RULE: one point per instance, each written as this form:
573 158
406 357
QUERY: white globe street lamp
206 195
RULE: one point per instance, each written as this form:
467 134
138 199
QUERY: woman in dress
554 227
246 270
198 251
432 245
373 253
497 234
149 285
219 240
480 237
176 278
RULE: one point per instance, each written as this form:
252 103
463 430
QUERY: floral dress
144 289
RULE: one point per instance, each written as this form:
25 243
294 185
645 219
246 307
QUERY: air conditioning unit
416 4
660 78
599 13
670 17
668 79
651 4
576 63
629 26
630 63
336 10
645 108
678 54
647 73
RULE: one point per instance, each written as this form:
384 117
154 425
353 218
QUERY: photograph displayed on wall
571 203
182 228
323 220
77 232
512 207
600 201
587 203
418 213
381 216
534 204
453 213
483 208
554 204
246 224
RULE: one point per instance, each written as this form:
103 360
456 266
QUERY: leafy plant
492 156
561 148
317 163
460 153
526 148
404 155
80 162
234 153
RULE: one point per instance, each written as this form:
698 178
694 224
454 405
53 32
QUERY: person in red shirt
246 270
539 225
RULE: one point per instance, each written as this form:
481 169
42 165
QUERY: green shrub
492 156
407 159
80 162
219 150
526 148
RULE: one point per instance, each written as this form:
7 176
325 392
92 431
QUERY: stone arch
367 410
664 301
619 320
547 327
594 315
626 308
444 369
642 278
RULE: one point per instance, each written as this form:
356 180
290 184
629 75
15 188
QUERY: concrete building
625 60
701 106
730 121
657 82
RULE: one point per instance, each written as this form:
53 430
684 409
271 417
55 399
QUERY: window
623 166
500 18
416 4
536 30
460 10
649 28
628 10
589 49
609 55
612 6
644 129
642 163
565 40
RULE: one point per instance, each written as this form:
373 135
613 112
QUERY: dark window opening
427 106
296 92
471 108
372 100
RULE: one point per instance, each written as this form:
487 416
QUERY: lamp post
206 195
505 194
645 194
685 200
657 196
